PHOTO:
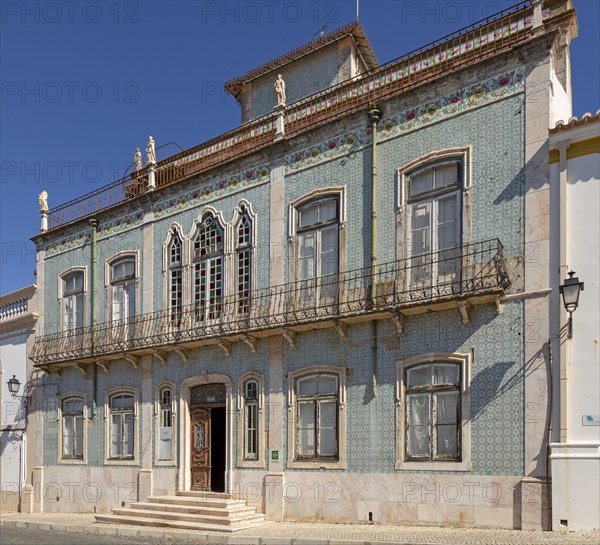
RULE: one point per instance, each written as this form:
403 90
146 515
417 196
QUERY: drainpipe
94 224
374 117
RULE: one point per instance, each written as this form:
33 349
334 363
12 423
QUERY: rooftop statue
151 151
280 90
43 200
137 159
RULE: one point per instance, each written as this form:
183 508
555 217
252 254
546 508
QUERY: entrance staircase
190 511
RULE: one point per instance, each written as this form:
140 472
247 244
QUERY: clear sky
83 83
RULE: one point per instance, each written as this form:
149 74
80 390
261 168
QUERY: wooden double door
208 444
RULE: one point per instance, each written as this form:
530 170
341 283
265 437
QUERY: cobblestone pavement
26 536
281 533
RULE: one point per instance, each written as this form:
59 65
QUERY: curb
194 537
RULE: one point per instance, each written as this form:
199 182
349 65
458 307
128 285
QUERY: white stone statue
151 152
280 90
43 200
137 159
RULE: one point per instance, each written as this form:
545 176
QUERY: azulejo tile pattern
249 177
467 98
496 383
107 229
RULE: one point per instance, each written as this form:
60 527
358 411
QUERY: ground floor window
433 416
72 428
122 426
165 423
433 412
316 417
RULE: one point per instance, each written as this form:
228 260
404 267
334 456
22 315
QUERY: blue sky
85 83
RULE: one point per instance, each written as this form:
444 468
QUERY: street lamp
570 292
13 386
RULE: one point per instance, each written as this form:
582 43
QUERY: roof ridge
575 122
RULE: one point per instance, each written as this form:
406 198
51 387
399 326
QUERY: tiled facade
481 113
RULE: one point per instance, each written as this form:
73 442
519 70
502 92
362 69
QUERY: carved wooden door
200 444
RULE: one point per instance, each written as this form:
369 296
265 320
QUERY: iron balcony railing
490 36
467 271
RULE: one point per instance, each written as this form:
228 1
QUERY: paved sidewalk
292 533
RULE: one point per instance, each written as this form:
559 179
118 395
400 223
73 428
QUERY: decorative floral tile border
506 84
68 243
211 192
196 197
105 230
221 145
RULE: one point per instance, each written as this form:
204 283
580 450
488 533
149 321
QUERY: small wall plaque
275 455
591 419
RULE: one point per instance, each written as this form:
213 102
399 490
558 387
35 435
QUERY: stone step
193 500
145 521
198 509
207 494
231 520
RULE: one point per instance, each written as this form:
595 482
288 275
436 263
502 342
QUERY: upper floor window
72 428
433 412
122 425
122 280
208 269
72 301
244 263
317 416
434 232
175 263
317 249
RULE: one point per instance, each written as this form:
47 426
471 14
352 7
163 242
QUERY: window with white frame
244 261
251 422
433 412
72 301
122 285
165 423
317 238
175 264
433 210
316 418
208 246
72 428
122 426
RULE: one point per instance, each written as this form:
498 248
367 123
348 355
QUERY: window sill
165 463
120 462
316 464
414 465
254 464
72 461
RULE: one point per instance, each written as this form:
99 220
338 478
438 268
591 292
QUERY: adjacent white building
17 323
575 438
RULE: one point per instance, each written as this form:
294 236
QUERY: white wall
13 358
583 247
576 462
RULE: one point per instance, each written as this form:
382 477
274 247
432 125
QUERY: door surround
184 477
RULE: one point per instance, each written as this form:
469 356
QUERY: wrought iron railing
454 273
487 37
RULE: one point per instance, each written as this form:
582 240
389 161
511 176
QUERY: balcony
18 308
454 278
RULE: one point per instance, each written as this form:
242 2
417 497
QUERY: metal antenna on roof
321 31
357 9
